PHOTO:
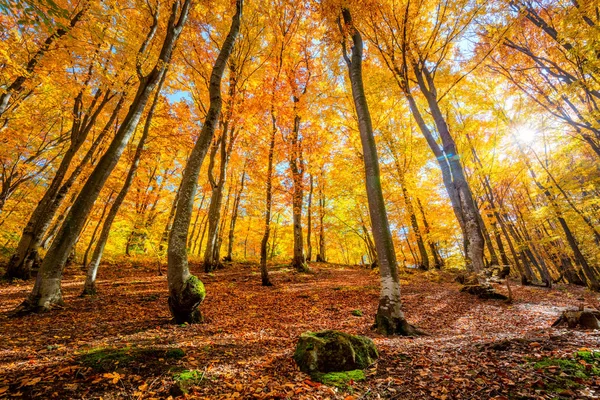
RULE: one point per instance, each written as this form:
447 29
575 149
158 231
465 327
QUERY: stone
333 351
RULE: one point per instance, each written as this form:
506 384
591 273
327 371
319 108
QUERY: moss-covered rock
333 351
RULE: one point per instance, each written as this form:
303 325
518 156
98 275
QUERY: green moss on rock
333 351
341 379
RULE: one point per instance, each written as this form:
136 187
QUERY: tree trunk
321 255
46 209
437 258
309 221
89 287
84 263
264 272
390 318
234 215
47 291
186 291
297 168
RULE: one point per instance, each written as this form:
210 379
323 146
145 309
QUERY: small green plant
357 313
188 378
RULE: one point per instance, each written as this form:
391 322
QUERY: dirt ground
476 349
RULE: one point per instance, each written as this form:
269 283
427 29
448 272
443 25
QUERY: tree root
389 326
583 319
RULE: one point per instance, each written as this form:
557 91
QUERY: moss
340 379
184 380
188 375
357 313
110 358
568 373
196 287
175 353
332 351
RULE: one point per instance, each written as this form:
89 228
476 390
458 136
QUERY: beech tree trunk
309 221
390 318
186 291
297 168
47 289
437 258
234 215
321 255
41 217
89 287
264 272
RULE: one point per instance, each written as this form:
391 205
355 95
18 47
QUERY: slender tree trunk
321 255
165 235
264 272
193 235
41 217
211 254
309 221
47 291
580 259
437 258
186 291
234 215
390 318
89 287
297 168
84 263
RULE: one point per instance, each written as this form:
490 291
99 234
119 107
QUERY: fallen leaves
475 346
113 376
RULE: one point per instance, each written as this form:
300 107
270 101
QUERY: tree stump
583 319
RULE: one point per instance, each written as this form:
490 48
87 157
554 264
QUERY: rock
483 292
333 351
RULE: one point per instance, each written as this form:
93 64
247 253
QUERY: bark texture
184 297
46 292
389 319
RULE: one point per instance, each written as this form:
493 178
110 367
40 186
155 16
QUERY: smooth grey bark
297 168
84 262
321 254
224 147
472 230
264 272
89 287
46 292
389 319
212 253
186 292
234 216
309 220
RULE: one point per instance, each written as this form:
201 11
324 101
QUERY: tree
186 291
46 292
390 318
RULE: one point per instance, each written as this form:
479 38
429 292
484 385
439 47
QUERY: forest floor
121 344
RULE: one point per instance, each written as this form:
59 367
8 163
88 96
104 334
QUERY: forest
300 199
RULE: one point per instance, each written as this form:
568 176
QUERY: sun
526 134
